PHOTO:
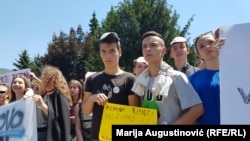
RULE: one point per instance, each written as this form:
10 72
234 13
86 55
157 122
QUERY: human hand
219 42
32 75
29 92
217 33
100 99
38 99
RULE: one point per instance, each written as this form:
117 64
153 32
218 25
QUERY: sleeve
131 80
88 83
185 91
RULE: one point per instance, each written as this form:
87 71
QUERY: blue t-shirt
207 85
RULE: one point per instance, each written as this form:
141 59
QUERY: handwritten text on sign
124 115
18 121
7 77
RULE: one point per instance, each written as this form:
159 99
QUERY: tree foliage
78 52
69 53
36 65
131 18
94 62
24 61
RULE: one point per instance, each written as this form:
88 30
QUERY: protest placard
115 114
234 74
18 121
7 77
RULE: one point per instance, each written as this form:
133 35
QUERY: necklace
50 91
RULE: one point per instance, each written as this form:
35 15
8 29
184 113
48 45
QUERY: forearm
33 76
190 116
79 135
87 107
78 123
44 108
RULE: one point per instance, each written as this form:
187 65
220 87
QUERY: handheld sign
18 121
234 74
7 77
115 114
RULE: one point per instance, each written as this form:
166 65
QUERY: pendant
116 90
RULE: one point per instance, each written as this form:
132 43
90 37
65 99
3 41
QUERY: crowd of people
72 111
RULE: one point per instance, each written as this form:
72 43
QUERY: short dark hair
152 33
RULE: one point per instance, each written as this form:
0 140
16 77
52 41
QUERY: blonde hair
39 86
60 83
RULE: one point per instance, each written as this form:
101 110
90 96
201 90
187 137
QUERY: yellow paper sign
114 114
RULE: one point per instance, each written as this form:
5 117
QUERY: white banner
234 74
18 121
7 77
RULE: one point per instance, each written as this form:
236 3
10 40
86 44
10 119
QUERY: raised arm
33 76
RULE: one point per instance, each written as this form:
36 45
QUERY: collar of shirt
185 68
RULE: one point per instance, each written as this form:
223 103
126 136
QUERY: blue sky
30 24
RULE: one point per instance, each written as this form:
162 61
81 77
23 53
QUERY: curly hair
35 84
52 73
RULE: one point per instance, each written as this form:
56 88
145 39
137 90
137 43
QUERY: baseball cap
140 60
178 39
111 35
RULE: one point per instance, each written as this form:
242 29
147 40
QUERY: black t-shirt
116 87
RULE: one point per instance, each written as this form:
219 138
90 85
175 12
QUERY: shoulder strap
80 113
80 109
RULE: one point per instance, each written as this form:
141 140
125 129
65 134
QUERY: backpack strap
79 113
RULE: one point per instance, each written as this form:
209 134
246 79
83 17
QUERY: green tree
24 61
131 18
94 62
36 65
192 56
69 53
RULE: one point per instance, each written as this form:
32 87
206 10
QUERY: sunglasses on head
206 33
1 92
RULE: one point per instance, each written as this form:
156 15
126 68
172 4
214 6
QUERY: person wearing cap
139 65
207 81
165 89
110 85
179 51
